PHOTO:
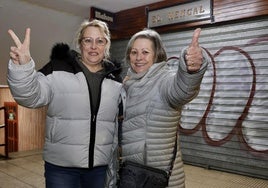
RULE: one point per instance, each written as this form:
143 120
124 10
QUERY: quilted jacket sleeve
28 87
184 86
111 177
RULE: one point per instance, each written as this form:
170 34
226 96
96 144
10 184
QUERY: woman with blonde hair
81 92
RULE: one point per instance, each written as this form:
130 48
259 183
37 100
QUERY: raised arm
192 66
28 88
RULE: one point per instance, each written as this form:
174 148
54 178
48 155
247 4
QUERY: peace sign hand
20 54
194 57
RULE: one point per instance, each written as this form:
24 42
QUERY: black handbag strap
120 122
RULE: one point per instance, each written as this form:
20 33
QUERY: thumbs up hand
194 55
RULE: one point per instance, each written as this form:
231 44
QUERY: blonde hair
103 28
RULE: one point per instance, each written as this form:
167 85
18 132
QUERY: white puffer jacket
75 136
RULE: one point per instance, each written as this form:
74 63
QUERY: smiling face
92 52
142 55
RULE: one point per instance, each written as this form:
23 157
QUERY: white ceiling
82 7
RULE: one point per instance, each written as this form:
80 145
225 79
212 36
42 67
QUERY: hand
194 55
20 54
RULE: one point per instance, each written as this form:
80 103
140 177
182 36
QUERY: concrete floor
25 170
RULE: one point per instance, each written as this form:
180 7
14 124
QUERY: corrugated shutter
226 126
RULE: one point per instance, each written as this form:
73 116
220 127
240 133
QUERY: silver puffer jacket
152 112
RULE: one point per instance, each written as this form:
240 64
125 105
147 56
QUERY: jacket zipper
93 123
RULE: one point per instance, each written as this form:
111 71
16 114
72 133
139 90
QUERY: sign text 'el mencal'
196 10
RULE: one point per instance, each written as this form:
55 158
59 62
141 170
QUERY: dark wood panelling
133 20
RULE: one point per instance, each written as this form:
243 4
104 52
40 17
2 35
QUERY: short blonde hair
103 28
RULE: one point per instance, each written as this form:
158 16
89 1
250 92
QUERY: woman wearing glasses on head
81 91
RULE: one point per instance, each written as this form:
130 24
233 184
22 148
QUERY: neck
93 67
